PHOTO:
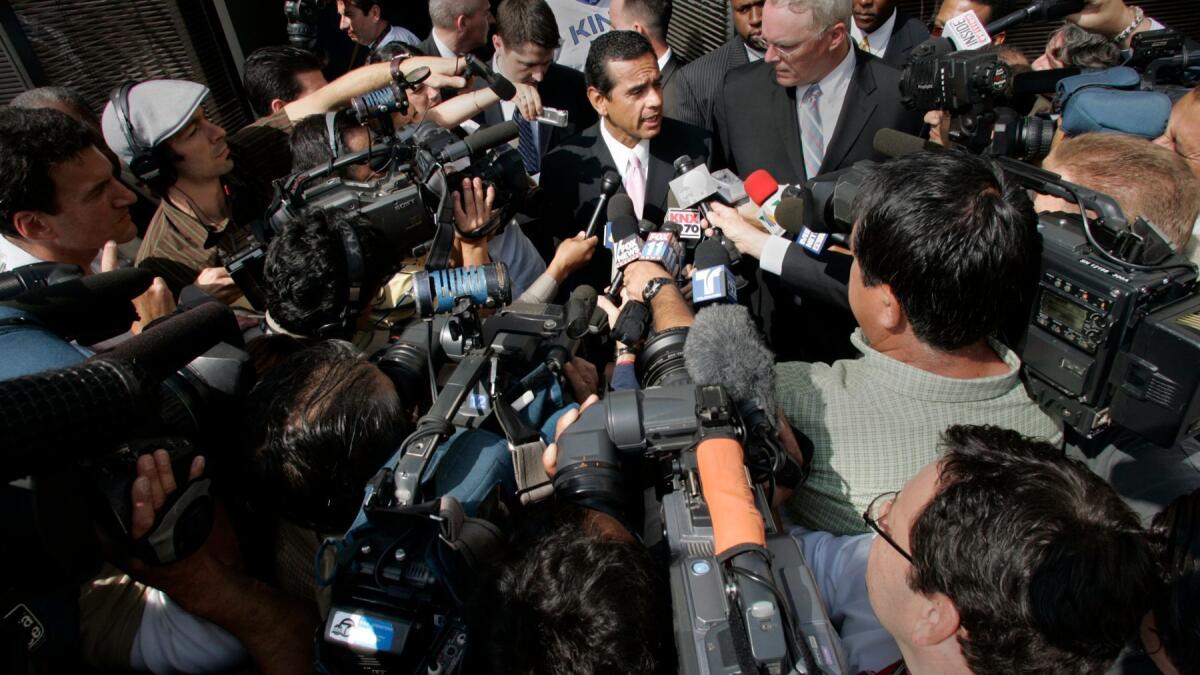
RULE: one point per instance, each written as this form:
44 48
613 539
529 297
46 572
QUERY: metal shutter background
93 46
698 27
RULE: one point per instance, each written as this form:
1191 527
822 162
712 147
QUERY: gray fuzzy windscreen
724 347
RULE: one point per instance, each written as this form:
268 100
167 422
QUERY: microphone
766 192
712 282
608 187
87 309
579 309
796 216
79 411
693 185
895 144
38 275
496 82
479 142
627 247
663 248
1040 10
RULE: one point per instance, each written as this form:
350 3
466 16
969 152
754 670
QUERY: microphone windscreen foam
724 347
899 144
620 205
624 225
790 214
760 185
710 253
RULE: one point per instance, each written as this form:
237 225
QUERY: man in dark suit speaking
525 40
814 103
632 138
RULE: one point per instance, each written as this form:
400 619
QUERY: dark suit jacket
571 175
562 88
696 85
757 125
669 73
907 33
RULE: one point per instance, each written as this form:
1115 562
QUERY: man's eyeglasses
872 516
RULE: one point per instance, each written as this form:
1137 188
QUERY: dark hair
567 600
956 241
389 50
271 74
309 142
520 22
1175 534
306 271
32 143
654 15
1049 570
615 45
325 420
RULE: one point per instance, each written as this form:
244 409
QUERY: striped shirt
177 245
875 421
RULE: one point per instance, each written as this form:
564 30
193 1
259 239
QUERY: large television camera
409 205
406 566
1114 330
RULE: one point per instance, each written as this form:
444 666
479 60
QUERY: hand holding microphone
745 235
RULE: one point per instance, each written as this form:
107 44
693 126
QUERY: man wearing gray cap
213 187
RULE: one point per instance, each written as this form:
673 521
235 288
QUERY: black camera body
1093 349
954 81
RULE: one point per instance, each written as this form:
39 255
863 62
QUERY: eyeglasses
784 53
872 516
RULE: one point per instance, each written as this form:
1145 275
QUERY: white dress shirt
833 95
878 41
662 60
443 50
753 54
13 256
620 153
397 34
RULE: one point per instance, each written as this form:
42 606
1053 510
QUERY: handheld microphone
712 282
579 309
664 249
814 234
479 142
766 192
608 187
627 247
496 82
693 185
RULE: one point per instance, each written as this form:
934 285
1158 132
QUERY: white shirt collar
834 84
443 50
753 54
621 154
879 39
13 256
662 61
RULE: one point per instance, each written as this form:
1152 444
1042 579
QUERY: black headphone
145 163
333 136
355 278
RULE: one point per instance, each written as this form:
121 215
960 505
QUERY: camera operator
967 571
276 75
1183 130
61 200
209 199
1071 45
945 249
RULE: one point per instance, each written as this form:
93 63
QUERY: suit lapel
737 54
857 109
787 125
659 173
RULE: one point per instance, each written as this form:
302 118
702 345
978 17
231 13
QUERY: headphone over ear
355 277
145 163
333 136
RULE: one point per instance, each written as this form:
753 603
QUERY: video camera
79 430
661 461
1113 334
405 567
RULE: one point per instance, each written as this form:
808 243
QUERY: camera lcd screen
1063 311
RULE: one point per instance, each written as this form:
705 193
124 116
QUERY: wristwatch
653 287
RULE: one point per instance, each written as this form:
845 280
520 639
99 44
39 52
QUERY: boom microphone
724 347
87 309
899 144
496 82
78 411
1040 10
479 142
